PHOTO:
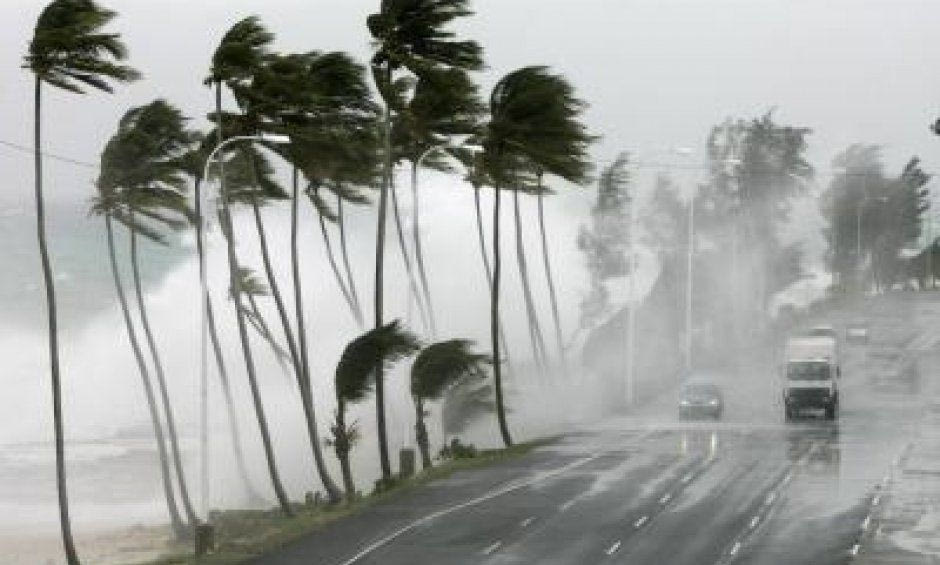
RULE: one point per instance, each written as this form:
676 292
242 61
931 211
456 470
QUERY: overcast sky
657 73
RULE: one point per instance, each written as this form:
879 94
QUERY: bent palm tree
535 327
412 35
529 110
240 52
68 51
436 369
355 376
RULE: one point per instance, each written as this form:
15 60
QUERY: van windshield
808 370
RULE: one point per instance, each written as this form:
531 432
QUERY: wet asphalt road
649 489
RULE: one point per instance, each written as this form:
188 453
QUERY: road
647 488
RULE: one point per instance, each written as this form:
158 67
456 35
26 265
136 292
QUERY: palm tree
323 102
355 375
532 128
238 55
193 163
146 171
412 35
436 369
446 104
68 51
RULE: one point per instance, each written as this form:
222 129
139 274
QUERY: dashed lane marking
613 549
491 548
527 521
639 523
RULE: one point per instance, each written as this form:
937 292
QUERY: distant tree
355 377
606 241
70 51
437 368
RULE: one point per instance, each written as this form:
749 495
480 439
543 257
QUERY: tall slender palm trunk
278 487
421 434
350 280
535 328
551 283
331 257
306 390
489 274
240 464
494 326
341 443
161 384
176 521
292 346
65 522
406 259
379 289
419 254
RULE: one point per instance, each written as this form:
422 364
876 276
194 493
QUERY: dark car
700 400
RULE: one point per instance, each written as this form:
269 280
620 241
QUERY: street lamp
201 226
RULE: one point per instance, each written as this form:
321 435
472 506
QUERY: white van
810 376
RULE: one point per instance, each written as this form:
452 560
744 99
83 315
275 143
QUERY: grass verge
242 535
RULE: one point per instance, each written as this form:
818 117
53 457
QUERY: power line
53 156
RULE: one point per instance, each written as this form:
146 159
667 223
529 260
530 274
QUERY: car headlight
713 402
684 403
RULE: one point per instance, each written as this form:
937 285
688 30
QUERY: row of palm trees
343 143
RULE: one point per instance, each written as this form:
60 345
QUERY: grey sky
657 73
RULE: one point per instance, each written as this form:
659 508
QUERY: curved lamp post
204 289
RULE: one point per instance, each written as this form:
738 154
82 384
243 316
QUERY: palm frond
383 346
441 365
68 50
240 52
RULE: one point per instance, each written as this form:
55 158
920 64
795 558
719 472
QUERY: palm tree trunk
379 295
226 386
161 384
220 360
551 283
357 315
295 353
341 443
494 326
406 259
489 274
306 391
535 329
279 492
175 519
419 255
421 434
65 523
350 280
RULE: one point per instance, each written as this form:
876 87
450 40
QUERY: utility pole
631 311
690 255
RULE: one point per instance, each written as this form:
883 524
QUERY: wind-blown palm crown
442 364
412 34
240 52
534 128
380 346
69 51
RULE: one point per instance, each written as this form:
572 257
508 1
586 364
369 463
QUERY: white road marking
568 504
735 548
490 549
639 523
875 501
472 502
854 551
754 521
866 522
770 498
613 549
665 498
688 477
527 521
